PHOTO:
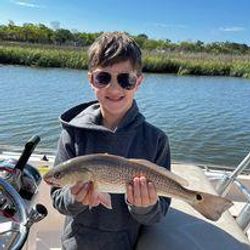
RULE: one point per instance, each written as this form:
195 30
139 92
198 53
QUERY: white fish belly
115 188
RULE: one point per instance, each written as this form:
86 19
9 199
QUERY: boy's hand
141 193
84 193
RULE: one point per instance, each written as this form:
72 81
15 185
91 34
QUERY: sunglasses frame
116 75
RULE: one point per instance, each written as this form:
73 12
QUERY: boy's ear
140 79
139 82
90 79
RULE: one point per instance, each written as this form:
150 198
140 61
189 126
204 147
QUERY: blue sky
177 20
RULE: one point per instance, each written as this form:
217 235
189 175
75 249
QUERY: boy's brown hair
114 47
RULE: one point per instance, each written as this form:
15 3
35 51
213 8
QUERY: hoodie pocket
92 239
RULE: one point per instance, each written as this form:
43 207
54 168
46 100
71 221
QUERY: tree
141 39
45 34
61 36
187 46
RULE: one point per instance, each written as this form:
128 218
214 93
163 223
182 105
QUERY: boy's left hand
141 193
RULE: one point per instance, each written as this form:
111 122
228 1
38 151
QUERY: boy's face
114 100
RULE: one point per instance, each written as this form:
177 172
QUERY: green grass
43 57
156 62
193 64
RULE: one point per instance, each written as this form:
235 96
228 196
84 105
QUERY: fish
111 174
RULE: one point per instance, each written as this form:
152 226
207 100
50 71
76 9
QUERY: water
207 119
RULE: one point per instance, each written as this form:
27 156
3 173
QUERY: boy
114 125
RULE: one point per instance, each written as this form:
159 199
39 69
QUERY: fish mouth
52 183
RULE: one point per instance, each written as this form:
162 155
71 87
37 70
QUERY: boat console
19 183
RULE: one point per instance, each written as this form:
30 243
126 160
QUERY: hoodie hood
88 116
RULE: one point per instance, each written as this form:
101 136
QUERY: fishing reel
19 183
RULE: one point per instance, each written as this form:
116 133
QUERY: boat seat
185 228
182 228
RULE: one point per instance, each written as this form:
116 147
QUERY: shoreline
196 64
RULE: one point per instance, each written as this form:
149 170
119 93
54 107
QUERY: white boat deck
183 227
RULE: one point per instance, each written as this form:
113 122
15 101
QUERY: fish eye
57 175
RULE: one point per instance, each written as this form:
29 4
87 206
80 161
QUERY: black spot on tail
199 197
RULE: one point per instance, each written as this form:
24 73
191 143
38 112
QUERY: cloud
167 26
28 4
232 29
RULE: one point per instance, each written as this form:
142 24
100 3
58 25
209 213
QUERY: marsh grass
155 62
44 57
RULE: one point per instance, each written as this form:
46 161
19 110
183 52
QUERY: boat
182 228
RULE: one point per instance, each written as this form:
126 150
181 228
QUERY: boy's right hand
85 194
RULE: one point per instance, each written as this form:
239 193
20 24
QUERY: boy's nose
114 85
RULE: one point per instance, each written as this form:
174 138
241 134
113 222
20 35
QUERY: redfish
111 174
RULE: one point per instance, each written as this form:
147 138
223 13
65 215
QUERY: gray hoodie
102 228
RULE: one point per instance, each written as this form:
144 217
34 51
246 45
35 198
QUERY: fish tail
209 205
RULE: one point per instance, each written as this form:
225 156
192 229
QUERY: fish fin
100 197
210 206
162 170
105 199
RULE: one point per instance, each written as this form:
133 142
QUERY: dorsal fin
162 170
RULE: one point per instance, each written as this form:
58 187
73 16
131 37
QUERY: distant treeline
39 46
41 34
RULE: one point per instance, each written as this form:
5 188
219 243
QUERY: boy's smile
114 100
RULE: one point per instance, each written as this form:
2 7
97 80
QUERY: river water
207 119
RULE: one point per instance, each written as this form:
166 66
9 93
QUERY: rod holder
28 149
224 185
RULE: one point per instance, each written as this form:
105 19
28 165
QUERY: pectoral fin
105 199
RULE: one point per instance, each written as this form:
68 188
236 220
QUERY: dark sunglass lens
126 81
102 79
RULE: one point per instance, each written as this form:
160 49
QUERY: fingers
141 193
93 199
145 199
80 191
130 194
84 193
137 192
77 187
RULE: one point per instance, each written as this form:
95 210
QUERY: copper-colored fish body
111 174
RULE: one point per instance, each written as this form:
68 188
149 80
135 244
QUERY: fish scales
114 173
109 172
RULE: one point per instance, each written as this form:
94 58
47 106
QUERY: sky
177 20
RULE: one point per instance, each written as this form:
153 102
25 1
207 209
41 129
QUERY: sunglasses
102 79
